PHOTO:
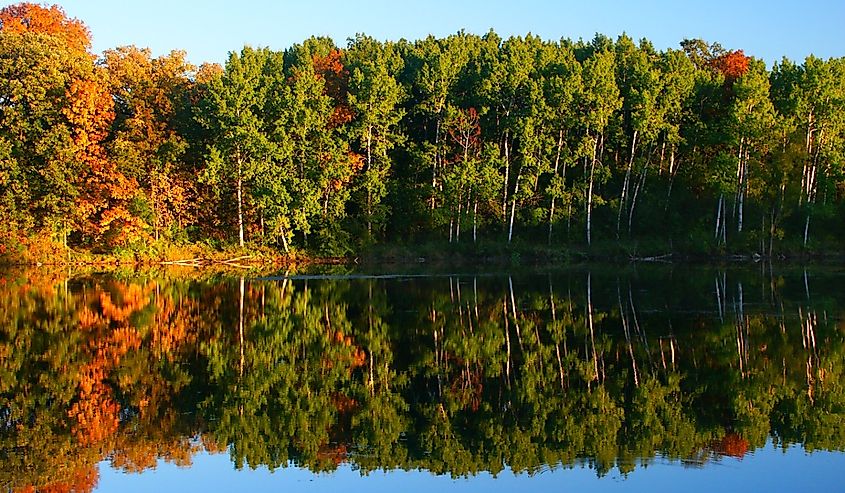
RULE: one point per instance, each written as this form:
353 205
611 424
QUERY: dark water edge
458 372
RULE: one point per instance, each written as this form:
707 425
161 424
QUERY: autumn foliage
330 68
95 412
103 206
32 18
731 445
306 149
81 480
733 64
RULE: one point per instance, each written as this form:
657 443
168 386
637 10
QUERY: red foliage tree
29 17
733 64
330 68
103 206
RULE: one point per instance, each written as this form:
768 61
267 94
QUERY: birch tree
599 101
234 114
374 96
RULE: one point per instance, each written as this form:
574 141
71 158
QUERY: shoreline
424 254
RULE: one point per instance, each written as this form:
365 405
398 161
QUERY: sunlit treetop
733 64
29 17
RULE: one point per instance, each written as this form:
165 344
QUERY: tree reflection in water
455 375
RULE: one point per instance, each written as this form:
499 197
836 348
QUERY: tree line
454 375
462 139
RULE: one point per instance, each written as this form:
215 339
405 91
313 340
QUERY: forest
454 375
460 141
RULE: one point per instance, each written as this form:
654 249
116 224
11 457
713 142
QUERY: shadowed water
495 379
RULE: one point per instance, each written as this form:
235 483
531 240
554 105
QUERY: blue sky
209 29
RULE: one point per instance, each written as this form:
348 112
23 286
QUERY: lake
630 377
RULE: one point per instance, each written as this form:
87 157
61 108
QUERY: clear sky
209 29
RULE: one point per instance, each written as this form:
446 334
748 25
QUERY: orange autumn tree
733 65
336 85
103 207
149 94
29 17
40 56
84 109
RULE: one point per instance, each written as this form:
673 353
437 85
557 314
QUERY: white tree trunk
740 178
458 223
623 201
590 192
557 167
718 217
640 185
475 221
513 205
507 178
240 203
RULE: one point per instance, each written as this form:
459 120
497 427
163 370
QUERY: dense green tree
563 86
375 97
234 112
599 101
40 167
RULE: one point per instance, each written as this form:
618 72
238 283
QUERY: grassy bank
35 251
40 251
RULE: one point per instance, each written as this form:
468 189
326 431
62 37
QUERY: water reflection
455 375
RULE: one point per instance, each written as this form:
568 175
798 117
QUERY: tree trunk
590 191
672 172
240 203
742 190
285 240
806 229
154 200
718 217
434 165
662 153
513 204
369 188
475 221
507 179
557 167
623 201
809 149
369 213
740 178
241 324
458 223
640 185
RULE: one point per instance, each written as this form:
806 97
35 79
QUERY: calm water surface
626 378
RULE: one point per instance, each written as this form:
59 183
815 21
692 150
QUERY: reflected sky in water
766 469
